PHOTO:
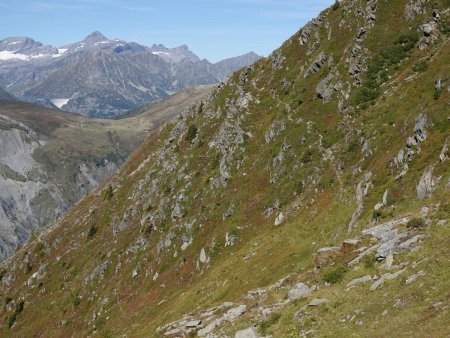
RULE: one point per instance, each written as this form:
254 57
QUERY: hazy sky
213 29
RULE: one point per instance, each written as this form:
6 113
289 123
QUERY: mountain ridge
101 77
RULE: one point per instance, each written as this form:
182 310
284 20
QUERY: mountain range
101 77
305 196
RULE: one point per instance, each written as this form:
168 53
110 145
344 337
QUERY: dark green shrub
335 275
336 5
215 161
420 67
376 214
19 309
416 223
92 231
234 231
29 267
76 301
109 192
8 300
378 66
267 323
39 248
307 156
191 133
2 273
200 108
437 94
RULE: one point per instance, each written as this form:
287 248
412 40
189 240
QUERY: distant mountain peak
95 36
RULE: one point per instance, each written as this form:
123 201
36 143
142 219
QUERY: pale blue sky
213 29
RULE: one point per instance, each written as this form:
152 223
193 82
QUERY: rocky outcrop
362 190
414 8
310 28
426 184
406 154
316 65
429 34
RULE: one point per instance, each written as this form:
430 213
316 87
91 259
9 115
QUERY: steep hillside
4 95
101 77
49 159
307 196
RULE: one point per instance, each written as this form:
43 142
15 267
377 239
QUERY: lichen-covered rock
280 219
444 152
309 28
299 290
426 184
247 333
324 88
316 65
414 8
362 190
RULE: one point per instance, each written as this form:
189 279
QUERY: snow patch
139 87
37 56
8 55
159 53
60 102
81 45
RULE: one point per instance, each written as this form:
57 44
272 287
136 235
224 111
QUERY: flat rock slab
247 333
318 301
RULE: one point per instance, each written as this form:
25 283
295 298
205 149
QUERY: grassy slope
319 209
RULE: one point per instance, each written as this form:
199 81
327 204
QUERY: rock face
4 95
102 77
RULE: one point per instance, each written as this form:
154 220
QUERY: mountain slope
4 95
266 195
50 159
100 77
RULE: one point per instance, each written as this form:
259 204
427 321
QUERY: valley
50 159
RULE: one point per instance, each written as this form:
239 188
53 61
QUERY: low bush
335 275
191 133
19 309
416 223
336 5
109 192
92 231
420 67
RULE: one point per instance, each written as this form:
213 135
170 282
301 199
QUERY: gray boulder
299 290
247 333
